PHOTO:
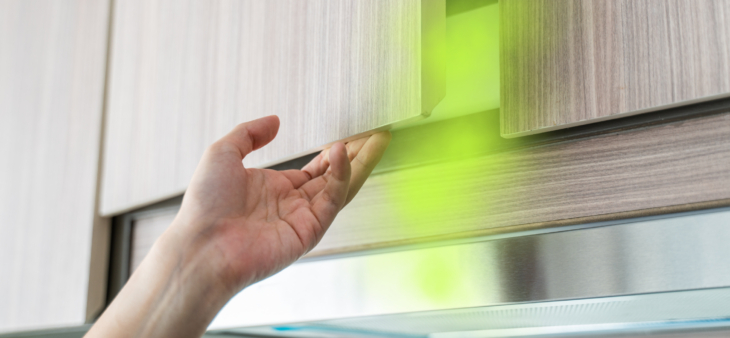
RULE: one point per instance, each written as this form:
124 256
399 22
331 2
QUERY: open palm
254 222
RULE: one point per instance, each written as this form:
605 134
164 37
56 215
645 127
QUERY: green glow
472 86
428 198
472 69
427 278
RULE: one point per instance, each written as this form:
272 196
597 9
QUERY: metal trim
656 254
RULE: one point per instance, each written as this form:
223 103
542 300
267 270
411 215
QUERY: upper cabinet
184 73
572 62
52 62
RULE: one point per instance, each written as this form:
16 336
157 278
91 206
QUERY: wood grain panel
183 73
674 164
572 62
499 186
51 90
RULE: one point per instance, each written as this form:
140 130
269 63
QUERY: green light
472 64
428 196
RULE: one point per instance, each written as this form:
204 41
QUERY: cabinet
572 62
183 73
52 64
456 183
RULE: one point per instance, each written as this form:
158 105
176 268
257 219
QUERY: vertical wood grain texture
52 61
572 62
184 73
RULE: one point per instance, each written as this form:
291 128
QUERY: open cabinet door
184 73
572 62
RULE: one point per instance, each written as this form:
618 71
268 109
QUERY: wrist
189 293
172 291
191 264
215 251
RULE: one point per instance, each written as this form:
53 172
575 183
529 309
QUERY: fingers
365 160
354 147
249 136
363 154
331 199
318 165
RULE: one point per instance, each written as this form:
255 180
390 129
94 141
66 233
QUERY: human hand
252 223
236 226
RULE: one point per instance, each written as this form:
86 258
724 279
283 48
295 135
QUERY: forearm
173 293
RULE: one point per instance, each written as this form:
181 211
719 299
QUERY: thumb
249 136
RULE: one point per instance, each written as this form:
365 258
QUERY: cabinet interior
472 62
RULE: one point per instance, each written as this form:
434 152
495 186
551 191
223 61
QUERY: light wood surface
52 63
572 62
184 73
655 167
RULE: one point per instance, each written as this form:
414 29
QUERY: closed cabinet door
571 62
52 62
184 73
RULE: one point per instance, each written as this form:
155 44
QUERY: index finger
365 160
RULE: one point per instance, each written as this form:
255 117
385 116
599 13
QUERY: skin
236 226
